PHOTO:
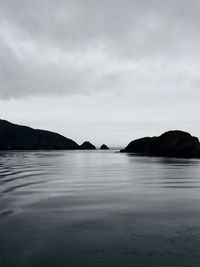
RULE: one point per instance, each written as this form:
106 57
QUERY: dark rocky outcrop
169 144
87 146
104 147
16 137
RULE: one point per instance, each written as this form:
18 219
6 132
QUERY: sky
106 71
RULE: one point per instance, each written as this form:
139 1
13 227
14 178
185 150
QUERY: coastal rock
170 144
17 137
104 147
87 146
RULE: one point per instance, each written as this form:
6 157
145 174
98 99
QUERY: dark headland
104 147
169 144
17 137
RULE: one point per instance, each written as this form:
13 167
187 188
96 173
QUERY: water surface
98 208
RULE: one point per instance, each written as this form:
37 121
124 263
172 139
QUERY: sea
98 208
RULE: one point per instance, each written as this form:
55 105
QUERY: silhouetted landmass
87 146
104 147
16 137
169 144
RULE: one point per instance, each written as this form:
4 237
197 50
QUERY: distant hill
169 144
17 137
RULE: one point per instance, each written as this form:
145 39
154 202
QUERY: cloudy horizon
103 71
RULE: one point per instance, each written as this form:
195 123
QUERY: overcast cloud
133 65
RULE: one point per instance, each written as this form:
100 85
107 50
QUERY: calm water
98 209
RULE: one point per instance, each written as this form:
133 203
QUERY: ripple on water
104 209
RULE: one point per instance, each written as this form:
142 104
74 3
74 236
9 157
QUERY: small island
170 144
87 146
104 147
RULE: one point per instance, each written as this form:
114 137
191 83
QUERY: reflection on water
98 208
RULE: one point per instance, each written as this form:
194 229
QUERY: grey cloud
80 47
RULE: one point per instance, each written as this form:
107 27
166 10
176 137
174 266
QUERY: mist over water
98 208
